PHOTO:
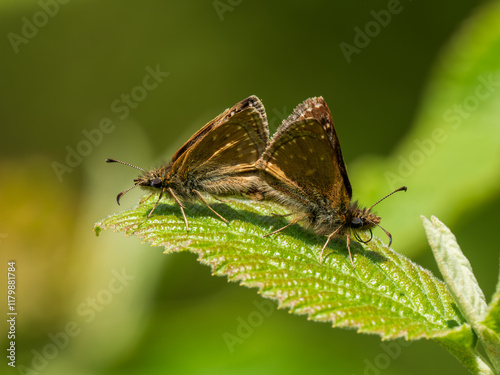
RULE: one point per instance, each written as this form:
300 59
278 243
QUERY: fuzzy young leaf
492 319
456 270
386 293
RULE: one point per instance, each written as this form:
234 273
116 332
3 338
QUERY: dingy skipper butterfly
304 165
219 159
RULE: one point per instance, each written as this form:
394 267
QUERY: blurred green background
73 80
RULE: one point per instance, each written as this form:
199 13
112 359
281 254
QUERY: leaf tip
436 221
97 229
426 223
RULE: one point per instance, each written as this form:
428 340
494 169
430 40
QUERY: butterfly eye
356 223
156 183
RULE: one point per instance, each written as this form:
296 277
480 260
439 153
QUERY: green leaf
456 270
462 345
458 275
386 293
491 343
492 319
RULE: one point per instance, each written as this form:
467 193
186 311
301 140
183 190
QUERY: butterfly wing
304 160
318 109
226 147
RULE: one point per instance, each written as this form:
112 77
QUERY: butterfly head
152 180
360 220
363 219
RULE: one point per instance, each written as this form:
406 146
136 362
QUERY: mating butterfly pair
301 167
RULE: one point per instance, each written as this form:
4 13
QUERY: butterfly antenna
125 191
402 188
122 162
130 188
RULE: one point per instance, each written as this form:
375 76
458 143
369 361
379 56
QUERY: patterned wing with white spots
304 160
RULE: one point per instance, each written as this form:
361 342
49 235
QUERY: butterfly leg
286 226
180 206
144 199
156 204
280 215
219 199
349 249
337 231
210 208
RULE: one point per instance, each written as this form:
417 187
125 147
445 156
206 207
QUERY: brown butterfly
219 159
304 165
